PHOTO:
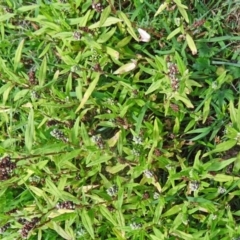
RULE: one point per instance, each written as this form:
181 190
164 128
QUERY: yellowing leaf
160 9
191 44
126 67
112 141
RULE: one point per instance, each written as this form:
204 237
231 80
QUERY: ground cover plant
120 119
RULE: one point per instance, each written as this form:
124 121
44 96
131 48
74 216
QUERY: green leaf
42 72
28 8
87 223
105 36
52 188
184 13
129 25
88 93
173 33
100 160
29 133
37 191
184 99
158 210
124 42
21 94
161 8
156 85
220 164
203 132
59 230
140 118
75 131
182 235
206 108
113 53
222 178
172 211
105 212
45 50
18 55
68 156
104 15
115 169
109 21
180 63
6 16
222 147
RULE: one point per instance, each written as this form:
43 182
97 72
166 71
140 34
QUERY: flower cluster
148 173
173 71
4 228
194 185
32 76
135 226
34 95
58 134
221 190
65 205
28 226
34 179
22 221
156 196
77 35
97 7
135 152
6 168
112 191
98 140
80 232
137 140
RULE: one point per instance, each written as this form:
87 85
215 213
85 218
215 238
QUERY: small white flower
169 167
110 101
214 85
144 36
213 216
221 190
156 196
137 140
112 191
148 174
77 35
135 226
135 152
80 232
194 185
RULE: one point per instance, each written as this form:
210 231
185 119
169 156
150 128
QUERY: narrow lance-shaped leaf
129 25
86 221
126 67
42 72
29 133
18 55
104 15
161 8
191 44
88 92
222 147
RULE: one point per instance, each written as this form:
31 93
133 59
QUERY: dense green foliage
120 119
